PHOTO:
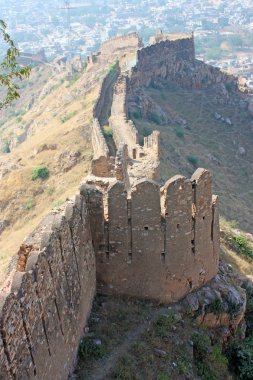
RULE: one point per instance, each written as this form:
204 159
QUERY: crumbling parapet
152 144
121 162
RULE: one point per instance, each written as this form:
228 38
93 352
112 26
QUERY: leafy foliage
90 350
41 172
216 307
9 69
164 324
179 132
241 357
193 160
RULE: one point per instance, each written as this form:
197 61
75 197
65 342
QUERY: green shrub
241 358
164 324
5 148
30 204
193 160
163 95
41 172
233 307
243 245
49 190
68 116
154 118
146 131
229 86
163 376
179 132
88 349
205 371
216 307
57 203
201 345
123 370
19 119
136 114
107 131
113 67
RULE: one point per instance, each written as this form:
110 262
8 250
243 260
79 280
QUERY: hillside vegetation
47 135
193 137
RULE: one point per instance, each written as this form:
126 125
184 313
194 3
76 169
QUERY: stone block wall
100 162
121 161
175 61
43 314
124 130
156 243
131 40
100 165
152 144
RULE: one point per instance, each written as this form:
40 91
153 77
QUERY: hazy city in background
223 29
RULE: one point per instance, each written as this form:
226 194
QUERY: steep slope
57 137
193 134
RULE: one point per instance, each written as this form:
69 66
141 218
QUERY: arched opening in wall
178 227
134 154
146 228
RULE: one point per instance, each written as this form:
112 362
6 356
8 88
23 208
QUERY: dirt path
106 365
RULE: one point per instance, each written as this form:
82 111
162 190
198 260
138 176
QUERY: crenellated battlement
169 234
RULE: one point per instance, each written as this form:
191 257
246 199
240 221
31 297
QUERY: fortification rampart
127 233
123 129
43 316
175 61
126 42
158 243
100 165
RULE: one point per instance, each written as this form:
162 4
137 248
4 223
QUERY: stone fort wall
157 243
45 306
100 163
175 61
133 238
124 130
131 40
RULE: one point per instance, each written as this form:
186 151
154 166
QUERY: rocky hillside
45 149
198 131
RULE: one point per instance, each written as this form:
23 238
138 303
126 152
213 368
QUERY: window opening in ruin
146 228
190 283
107 255
178 227
163 256
134 154
204 217
180 187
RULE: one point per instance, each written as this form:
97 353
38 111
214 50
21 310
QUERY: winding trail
106 365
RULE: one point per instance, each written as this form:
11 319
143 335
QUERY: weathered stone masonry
43 316
157 243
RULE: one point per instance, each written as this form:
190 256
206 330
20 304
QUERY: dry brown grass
24 201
